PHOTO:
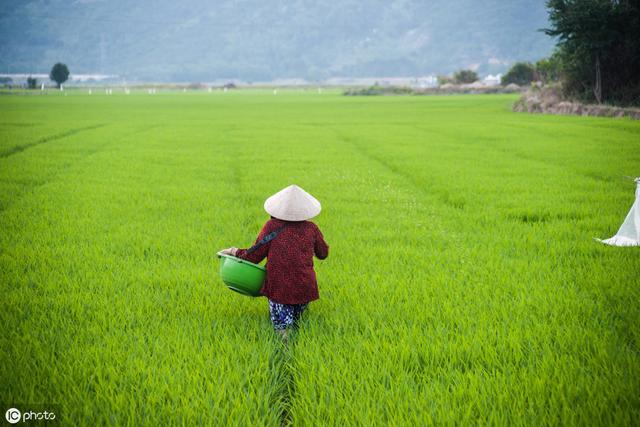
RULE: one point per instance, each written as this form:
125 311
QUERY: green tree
548 69
598 42
32 82
59 73
465 76
521 73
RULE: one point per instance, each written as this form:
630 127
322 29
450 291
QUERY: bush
522 73
547 70
32 82
379 90
465 76
444 79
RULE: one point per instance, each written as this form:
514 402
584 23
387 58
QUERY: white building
492 80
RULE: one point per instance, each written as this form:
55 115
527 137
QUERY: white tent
629 233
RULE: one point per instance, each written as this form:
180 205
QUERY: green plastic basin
241 276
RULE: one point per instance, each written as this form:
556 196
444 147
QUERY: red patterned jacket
290 275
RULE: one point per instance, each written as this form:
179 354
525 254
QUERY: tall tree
599 45
59 73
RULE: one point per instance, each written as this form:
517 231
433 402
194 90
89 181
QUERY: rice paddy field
463 284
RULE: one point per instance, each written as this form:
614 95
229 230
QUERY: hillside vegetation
199 40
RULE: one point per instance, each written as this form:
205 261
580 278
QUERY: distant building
492 80
425 82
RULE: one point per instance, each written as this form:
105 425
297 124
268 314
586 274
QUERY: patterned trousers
285 315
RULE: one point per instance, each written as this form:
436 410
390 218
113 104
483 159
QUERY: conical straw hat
292 204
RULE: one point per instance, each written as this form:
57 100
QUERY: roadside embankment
548 100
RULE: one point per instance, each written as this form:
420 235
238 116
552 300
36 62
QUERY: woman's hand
230 251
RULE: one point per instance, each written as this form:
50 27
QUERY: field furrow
49 138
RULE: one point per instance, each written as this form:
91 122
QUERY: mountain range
262 40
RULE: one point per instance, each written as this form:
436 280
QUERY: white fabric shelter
629 233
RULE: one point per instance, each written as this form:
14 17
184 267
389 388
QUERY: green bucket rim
241 261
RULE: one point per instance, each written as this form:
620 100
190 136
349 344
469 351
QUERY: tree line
598 49
597 55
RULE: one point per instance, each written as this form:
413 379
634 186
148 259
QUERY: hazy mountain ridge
196 40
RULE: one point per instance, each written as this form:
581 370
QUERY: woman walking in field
289 241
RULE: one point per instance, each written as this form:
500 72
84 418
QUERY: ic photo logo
14 416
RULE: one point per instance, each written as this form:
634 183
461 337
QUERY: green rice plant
462 287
